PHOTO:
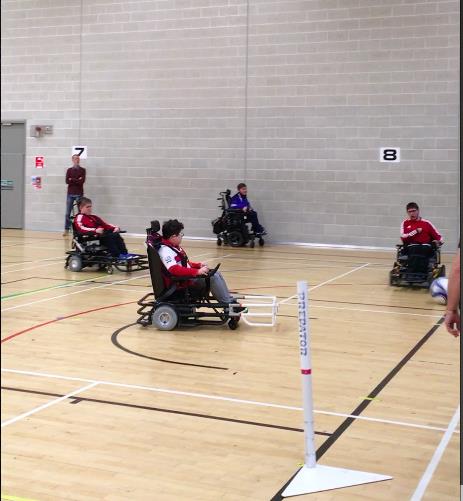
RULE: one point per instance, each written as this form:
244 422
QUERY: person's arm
452 315
82 225
407 237
81 179
237 203
104 224
68 177
168 256
435 235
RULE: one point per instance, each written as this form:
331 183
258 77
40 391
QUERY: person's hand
245 209
437 242
99 231
452 322
116 229
204 264
419 230
203 270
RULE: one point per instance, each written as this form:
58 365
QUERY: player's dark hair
241 185
171 227
412 205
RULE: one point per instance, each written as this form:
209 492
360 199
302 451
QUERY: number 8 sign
389 155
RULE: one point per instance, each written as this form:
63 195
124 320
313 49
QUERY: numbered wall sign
39 162
80 150
389 154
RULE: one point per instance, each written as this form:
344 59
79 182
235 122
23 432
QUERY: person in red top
75 179
87 223
416 230
418 235
176 262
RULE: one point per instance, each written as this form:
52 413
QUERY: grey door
12 171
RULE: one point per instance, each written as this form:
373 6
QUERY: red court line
63 318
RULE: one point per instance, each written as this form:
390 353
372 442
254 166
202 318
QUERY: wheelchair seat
416 265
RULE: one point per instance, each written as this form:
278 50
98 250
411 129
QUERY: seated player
240 201
87 223
177 263
418 232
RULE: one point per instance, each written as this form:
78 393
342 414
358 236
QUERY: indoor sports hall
336 114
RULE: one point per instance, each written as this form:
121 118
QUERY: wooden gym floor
95 407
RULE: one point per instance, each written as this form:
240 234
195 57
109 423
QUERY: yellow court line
5 497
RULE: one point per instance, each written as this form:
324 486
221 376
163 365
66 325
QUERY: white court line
72 293
326 282
88 289
315 306
49 404
427 475
217 397
61 263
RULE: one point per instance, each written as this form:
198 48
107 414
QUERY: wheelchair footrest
259 307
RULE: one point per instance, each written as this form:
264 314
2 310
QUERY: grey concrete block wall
179 99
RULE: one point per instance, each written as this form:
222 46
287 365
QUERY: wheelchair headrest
153 238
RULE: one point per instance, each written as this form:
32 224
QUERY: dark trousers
254 220
114 243
70 199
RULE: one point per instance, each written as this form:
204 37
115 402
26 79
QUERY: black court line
117 344
76 400
365 403
368 304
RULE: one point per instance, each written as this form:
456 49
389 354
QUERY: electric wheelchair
87 251
179 305
232 227
416 265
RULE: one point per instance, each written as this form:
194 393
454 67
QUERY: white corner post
313 477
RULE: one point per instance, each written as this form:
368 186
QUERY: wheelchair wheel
233 324
252 244
164 318
109 269
235 239
75 263
261 242
219 242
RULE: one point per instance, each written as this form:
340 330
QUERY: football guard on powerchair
232 227
416 265
88 250
180 303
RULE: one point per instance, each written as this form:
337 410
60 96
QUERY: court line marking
33 267
15 295
437 456
36 261
319 306
91 288
48 404
326 282
218 397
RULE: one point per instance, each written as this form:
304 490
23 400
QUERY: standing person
75 179
240 201
452 315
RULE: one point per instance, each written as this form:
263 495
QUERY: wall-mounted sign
36 182
389 154
39 162
80 150
7 184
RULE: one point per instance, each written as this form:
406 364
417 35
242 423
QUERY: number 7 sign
81 151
